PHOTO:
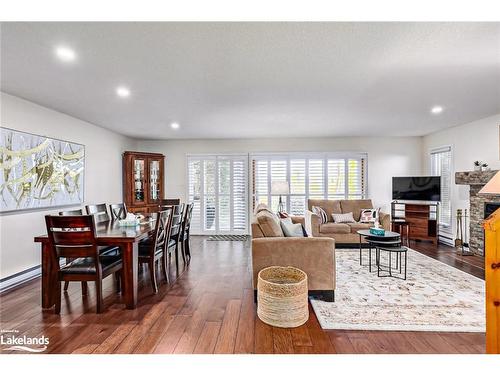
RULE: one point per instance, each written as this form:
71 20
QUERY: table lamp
280 188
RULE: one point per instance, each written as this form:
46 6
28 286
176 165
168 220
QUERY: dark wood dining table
108 233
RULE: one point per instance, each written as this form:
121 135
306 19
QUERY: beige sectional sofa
315 256
343 233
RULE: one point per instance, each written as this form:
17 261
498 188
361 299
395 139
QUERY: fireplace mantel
474 177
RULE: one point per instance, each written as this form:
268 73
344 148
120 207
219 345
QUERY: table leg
360 250
390 263
370 258
130 263
49 279
406 255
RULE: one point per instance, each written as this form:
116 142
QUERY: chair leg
163 261
188 249
176 250
58 298
183 252
85 288
66 285
98 292
152 275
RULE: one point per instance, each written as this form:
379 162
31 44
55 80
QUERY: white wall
387 157
478 140
103 175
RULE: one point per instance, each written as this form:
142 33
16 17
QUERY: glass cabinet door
154 181
139 180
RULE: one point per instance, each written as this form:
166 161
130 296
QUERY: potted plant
484 167
477 165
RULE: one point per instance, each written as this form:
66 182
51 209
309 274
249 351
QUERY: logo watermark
11 340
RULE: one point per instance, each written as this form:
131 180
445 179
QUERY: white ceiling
245 80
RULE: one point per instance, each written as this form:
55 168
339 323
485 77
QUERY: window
217 185
441 166
314 175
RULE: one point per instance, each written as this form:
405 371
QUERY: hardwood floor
210 309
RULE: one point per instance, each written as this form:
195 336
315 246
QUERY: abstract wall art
39 172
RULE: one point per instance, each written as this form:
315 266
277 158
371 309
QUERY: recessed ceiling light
65 54
174 125
436 110
123 92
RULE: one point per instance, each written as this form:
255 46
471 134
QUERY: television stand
421 216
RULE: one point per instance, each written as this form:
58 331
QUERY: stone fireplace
481 206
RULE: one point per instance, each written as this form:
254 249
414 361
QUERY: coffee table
389 239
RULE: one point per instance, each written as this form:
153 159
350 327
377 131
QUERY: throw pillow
343 218
369 215
321 213
290 229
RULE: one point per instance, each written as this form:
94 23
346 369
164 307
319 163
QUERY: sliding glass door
217 184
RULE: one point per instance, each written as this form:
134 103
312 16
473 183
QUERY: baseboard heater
17 279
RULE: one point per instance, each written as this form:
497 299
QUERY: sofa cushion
330 206
359 226
355 206
291 229
332 228
269 224
343 218
321 213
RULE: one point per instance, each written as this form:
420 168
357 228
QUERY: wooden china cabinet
143 185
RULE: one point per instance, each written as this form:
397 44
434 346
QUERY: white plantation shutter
336 178
316 173
195 191
355 178
297 186
239 191
312 175
217 184
441 165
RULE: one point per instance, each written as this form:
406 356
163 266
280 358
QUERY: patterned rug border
396 327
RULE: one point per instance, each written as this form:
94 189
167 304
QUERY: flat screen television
425 188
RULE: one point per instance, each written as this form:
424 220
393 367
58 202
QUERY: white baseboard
19 278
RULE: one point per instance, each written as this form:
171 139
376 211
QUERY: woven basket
282 296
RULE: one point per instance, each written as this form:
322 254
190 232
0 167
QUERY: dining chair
175 232
66 283
99 211
118 211
74 237
71 213
153 249
184 237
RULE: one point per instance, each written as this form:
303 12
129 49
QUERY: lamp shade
493 185
280 188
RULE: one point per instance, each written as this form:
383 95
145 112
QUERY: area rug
435 297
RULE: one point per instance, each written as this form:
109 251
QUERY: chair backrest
72 236
118 211
161 231
188 213
170 202
71 213
176 224
99 211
